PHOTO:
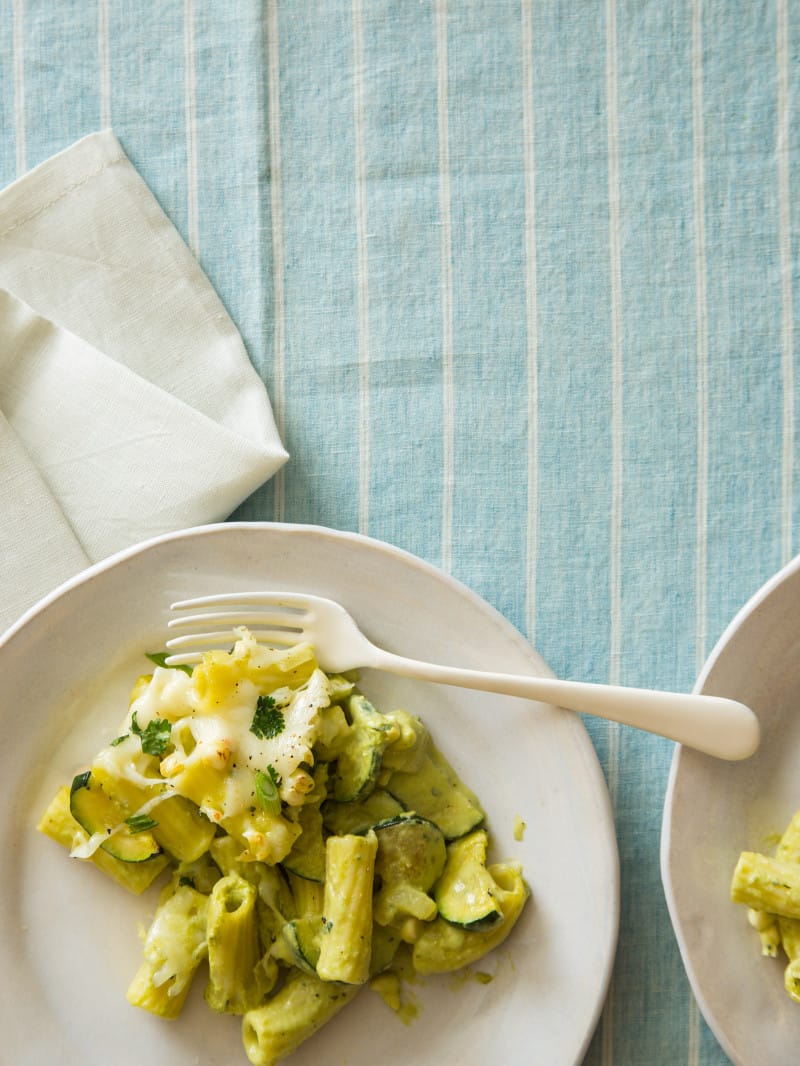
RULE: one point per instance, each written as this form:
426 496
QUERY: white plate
714 810
69 937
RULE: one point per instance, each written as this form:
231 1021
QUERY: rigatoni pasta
233 947
175 945
345 949
769 886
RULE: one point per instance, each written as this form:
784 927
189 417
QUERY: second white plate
714 810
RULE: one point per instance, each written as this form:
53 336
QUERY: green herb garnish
140 823
267 790
160 659
268 721
155 735
119 740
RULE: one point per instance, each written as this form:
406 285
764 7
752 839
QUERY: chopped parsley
268 721
160 659
267 790
155 735
119 740
140 823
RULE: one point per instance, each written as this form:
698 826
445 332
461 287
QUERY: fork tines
279 622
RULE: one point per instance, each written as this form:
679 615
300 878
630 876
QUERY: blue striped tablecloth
521 281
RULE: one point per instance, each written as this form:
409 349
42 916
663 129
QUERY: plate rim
741 616
606 827
215 528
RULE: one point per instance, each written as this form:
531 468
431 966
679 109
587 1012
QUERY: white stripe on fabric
615 276
446 249
693 1045
701 313
18 29
190 93
363 268
615 532
104 64
276 211
532 337
787 300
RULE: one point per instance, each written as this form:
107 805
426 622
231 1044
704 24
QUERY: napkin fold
128 404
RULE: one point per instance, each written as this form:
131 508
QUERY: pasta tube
181 829
766 925
233 949
346 941
174 947
767 884
216 678
302 1006
274 904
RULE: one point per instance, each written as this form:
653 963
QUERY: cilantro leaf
268 721
267 790
155 735
160 659
140 823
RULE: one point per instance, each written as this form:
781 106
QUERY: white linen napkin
128 404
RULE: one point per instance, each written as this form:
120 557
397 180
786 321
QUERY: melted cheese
214 754
169 694
176 942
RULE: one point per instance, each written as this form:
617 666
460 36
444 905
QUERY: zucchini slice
411 856
58 824
411 851
343 818
443 946
466 892
307 857
436 792
299 943
359 762
97 812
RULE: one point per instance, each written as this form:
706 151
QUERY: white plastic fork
715 725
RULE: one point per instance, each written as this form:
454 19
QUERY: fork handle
715 725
